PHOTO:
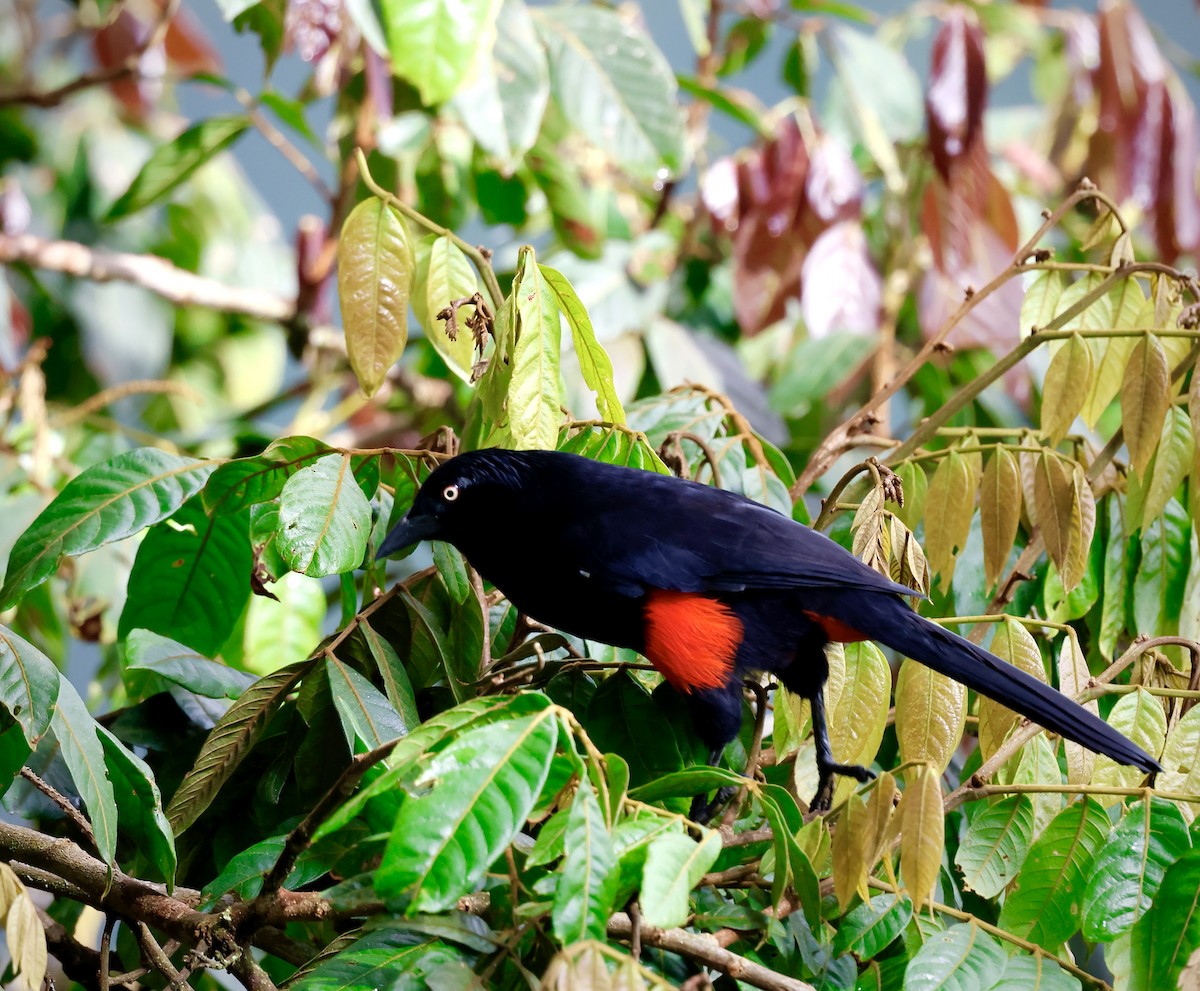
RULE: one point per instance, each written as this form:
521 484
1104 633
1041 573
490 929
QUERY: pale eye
450 493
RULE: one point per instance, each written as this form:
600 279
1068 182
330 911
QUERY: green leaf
1166 938
1066 387
1145 399
466 804
995 845
151 660
503 105
78 737
452 570
384 958
191 578
103 503
622 718
1026 972
229 743
1138 716
1041 301
284 629
1171 464
1130 867
375 271
443 274
1162 572
587 880
963 958
364 711
873 926
594 362
674 865
28 686
1116 578
615 86
396 682
324 519
698 780
248 481
171 164
140 813
1043 902
535 394
435 44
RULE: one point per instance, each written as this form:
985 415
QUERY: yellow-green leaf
1098 232
26 943
1181 761
1140 717
1041 301
1110 357
375 270
1073 677
849 851
930 712
999 511
443 274
1058 511
923 836
1145 397
857 723
535 392
1171 463
1012 643
1067 384
914 484
951 501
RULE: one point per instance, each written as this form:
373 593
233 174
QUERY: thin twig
76 817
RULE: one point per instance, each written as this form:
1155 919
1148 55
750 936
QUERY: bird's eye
450 493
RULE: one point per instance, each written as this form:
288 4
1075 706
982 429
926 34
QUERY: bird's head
460 498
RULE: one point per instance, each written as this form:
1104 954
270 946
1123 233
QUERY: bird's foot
703 810
824 797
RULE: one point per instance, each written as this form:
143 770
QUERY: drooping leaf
923 835
594 362
1012 643
535 394
396 682
103 503
375 271
28 685
1066 388
383 958
1073 678
674 865
1145 398
140 813
462 809
995 845
324 518
1041 301
1034 972
1170 465
191 578
587 882
1043 902
229 742
615 86
1130 866
435 44
931 710
1000 497
174 162
857 723
951 501
78 737
850 867
957 93
26 938
1060 516
444 275
1181 761
1161 574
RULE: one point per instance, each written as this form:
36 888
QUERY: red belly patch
835 629
691 639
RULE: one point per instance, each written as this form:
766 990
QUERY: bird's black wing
670 534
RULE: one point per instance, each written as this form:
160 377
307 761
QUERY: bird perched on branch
705 583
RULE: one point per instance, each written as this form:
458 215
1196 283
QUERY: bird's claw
703 810
824 796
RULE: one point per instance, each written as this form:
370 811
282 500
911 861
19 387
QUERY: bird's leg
826 766
702 809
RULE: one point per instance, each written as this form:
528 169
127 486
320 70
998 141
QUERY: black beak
410 530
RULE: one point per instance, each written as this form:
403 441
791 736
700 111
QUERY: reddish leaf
834 186
843 292
957 94
1177 216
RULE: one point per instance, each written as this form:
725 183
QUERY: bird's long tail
947 653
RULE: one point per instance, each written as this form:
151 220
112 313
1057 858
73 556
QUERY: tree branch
173 284
706 950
